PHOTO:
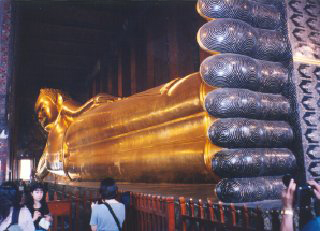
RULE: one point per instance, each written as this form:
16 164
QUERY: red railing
148 212
60 209
217 216
151 212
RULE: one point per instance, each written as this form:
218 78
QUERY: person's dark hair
34 186
6 204
108 188
10 190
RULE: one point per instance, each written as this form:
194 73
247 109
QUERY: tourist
109 214
288 209
36 203
12 216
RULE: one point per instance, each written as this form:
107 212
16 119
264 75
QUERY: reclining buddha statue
231 123
128 138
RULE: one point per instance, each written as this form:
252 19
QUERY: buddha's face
47 111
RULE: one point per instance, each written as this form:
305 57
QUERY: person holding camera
109 214
288 211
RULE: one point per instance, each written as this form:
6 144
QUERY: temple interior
204 114
86 48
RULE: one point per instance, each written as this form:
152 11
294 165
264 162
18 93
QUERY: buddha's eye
42 110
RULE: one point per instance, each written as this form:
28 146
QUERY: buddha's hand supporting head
48 107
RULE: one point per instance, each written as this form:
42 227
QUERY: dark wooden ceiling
59 44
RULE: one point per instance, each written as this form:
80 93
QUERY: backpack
125 198
14 220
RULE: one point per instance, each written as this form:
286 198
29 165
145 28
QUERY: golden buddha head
48 106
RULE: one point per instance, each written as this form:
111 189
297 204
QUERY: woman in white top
25 221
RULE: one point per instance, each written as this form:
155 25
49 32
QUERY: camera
302 188
303 196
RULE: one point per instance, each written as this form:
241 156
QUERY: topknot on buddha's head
53 94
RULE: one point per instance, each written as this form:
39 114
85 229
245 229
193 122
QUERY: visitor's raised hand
316 189
288 196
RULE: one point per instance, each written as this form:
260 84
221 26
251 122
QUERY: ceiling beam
106 15
61 47
40 76
44 60
76 15
66 33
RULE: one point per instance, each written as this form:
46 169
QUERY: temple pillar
303 22
5 73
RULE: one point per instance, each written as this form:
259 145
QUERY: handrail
148 212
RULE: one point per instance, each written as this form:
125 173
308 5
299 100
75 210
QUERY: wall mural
247 118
